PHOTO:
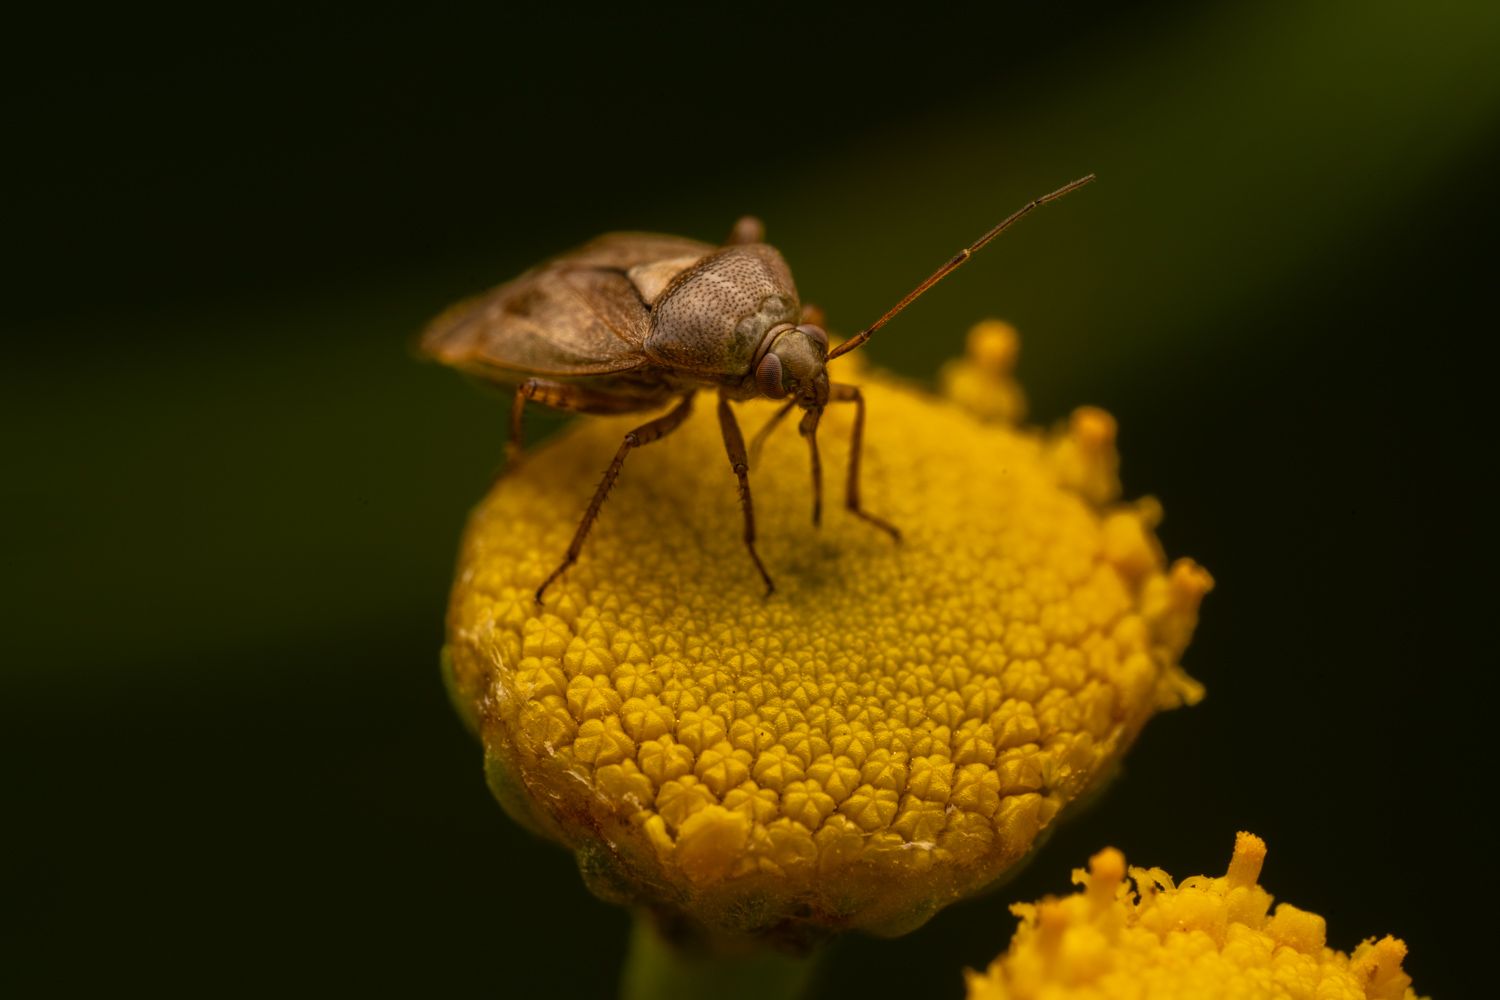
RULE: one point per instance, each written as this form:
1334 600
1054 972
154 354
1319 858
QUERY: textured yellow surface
1207 938
889 731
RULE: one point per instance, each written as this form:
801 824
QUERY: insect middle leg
644 434
569 397
513 444
851 394
734 443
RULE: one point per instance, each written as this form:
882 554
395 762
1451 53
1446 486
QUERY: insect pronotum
633 321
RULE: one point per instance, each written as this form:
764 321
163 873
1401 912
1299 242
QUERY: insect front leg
759 441
809 429
644 434
734 443
850 394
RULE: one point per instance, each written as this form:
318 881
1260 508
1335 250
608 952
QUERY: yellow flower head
1209 937
888 732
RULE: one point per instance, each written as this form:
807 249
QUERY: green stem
656 969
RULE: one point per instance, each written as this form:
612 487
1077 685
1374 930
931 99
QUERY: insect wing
578 314
622 251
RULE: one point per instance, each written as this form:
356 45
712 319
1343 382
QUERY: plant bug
633 321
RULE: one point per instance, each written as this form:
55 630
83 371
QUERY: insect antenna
958 258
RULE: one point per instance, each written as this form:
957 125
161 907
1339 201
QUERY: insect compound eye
768 377
813 332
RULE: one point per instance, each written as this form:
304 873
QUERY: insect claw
879 522
553 578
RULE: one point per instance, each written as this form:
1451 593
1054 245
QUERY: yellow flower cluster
888 732
1209 937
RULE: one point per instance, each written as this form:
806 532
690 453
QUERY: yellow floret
890 731
1207 938
981 381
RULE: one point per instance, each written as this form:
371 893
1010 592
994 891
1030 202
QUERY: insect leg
850 394
582 399
809 429
644 434
513 446
759 441
734 443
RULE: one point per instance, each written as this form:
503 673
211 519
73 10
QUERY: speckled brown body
641 315
631 321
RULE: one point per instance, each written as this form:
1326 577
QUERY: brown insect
632 321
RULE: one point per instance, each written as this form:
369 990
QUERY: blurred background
231 497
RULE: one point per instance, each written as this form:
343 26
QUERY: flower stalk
662 968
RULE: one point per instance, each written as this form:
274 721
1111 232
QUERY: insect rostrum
632 321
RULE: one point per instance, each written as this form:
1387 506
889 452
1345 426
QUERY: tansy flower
888 732
1209 937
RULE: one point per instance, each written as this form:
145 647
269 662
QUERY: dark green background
231 499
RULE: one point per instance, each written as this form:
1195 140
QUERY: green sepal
463 705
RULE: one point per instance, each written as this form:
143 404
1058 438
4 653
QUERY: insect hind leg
850 394
642 435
